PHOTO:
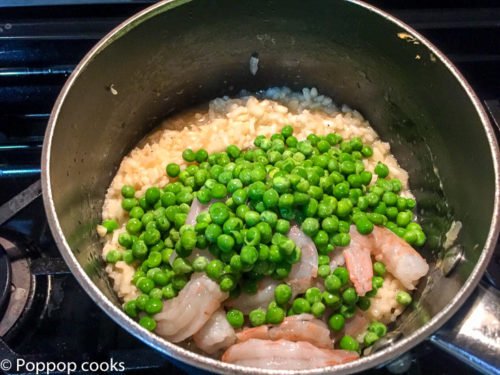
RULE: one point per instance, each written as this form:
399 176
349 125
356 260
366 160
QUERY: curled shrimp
400 259
284 355
184 315
248 302
216 334
358 261
303 273
303 327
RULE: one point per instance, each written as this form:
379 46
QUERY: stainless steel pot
179 53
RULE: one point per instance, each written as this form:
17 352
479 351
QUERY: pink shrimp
284 355
359 262
356 325
185 314
216 334
303 273
400 259
303 327
248 302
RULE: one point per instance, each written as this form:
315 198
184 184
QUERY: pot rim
204 362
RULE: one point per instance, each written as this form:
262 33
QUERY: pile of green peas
255 195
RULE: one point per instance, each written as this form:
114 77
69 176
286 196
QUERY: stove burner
4 278
21 292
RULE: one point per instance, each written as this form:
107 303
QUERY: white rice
231 121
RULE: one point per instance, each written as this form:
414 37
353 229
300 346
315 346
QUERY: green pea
310 226
336 322
152 236
341 239
421 238
219 213
301 306
201 155
364 303
391 213
188 155
249 255
389 198
162 278
111 225
153 306
225 243
377 282
168 291
145 285
147 218
318 309
275 315
240 196
282 226
403 298
378 328
125 240
199 264
282 294
154 259
129 203
173 169
282 270
214 269
364 225
367 151
113 256
152 195
128 256
218 191
130 308
257 317
212 232
342 273
139 249
168 199
265 231
381 170
227 283
324 270
313 295
181 266
321 239
148 323
404 218
188 239
281 184
350 296
128 191
331 300
252 236
269 217
344 207
379 268
370 338
287 131
252 218
333 283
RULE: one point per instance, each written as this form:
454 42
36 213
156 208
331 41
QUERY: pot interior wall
200 50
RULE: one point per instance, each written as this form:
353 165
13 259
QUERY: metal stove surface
40 43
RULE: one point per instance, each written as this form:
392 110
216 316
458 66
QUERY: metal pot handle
473 334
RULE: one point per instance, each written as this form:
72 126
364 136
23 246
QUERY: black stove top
51 319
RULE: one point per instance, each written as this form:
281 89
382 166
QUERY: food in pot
273 231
